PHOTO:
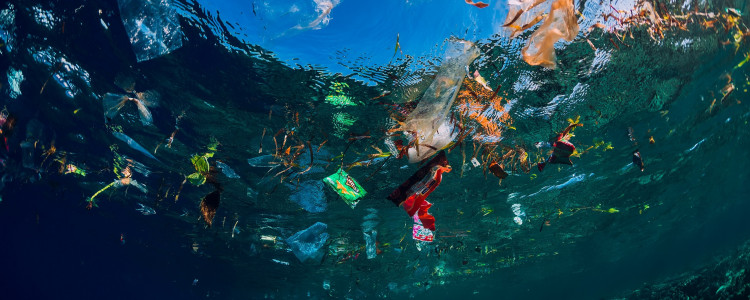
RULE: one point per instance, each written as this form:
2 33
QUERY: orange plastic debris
560 24
479 4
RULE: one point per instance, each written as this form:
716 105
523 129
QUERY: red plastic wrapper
562 150
412 193
420 233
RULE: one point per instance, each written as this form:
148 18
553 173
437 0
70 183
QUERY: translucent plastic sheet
310 196
560 24
429 121
307 244
152 26
8 26
370 233
524 14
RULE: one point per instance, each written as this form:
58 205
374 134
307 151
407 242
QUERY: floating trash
430 120
145 210
152 26
370 234
113 103
421 233
281 262
228 172
307 244
518 212
412 194
309 195
561 23
348 188
265 161
15 77
133 144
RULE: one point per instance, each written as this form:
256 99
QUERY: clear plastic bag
429 121
153 27
307 244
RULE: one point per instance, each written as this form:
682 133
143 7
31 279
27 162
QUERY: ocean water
125 121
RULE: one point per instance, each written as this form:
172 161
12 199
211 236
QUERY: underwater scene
349 149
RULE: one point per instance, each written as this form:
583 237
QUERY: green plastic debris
91 201
73 169
340 100
348 188
338 95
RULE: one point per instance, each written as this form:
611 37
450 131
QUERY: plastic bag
560 24
348 188
308 243
309 195
152 26
370 234
412 194
431 114
445 134
114 102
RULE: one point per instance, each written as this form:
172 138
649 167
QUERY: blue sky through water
295 31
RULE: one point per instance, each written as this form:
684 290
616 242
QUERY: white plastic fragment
145 210
15 77
475 162
227 170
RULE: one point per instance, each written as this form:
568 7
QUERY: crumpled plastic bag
153 27
560 24
307 244
310 196
429 121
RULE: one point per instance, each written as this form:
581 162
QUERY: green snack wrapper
348 188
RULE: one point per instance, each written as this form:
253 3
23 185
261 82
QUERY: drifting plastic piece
348 188
133 144
562 150
309 195
421 233
370 234
307 244
412 193
429 121
265 161
560 24
152 26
